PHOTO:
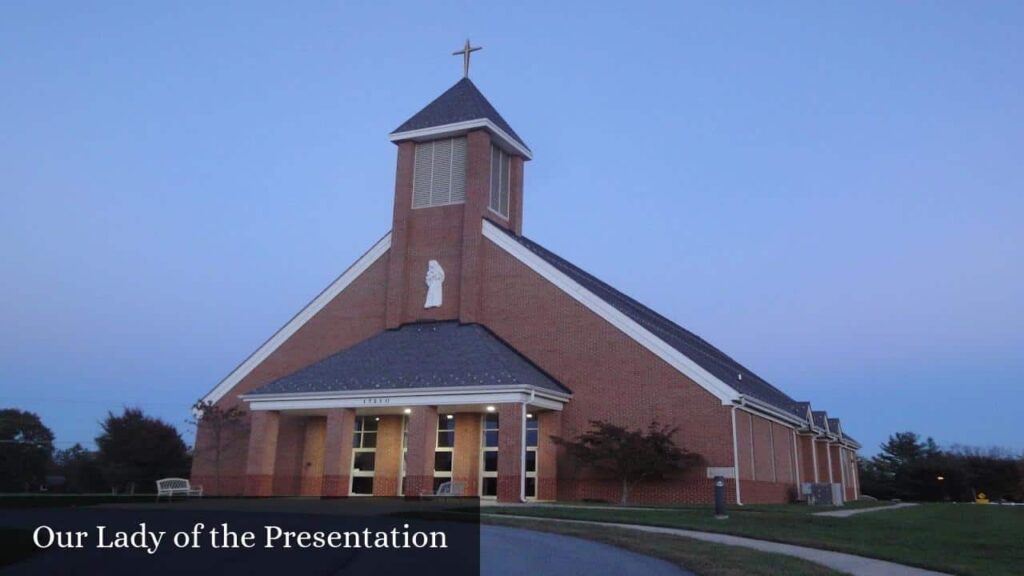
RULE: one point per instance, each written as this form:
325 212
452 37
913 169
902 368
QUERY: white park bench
447 489
171 487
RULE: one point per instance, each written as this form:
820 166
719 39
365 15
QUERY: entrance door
364 455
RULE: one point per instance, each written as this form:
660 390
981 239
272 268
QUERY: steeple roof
463 103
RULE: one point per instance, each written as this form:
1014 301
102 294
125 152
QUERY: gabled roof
461 103
833 425
718 363
820 419
421 355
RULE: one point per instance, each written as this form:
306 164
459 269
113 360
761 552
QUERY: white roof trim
460 127
641 335
482 395
300 319
764 408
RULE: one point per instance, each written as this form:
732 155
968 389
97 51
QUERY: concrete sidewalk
854 511
840 561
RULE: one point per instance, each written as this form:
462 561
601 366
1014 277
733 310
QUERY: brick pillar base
510 452
338 433
259 484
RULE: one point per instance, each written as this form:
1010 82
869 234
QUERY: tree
80 469
218 424
26 446
630 456
138 450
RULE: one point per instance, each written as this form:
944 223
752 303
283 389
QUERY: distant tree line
133 451
909 468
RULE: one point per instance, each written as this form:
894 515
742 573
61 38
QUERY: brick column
466 467
510 452
387 470
548 424
419 458
259 469
478 175
341 424
395 298
312 474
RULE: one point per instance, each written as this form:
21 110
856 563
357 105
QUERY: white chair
447 489
176 486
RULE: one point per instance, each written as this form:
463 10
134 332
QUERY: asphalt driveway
513 552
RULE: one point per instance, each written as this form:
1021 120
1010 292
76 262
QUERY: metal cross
466 51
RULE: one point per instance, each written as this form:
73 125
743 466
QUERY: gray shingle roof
421 355
820 417
460 103
718 363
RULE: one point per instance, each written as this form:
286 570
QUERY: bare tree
218 423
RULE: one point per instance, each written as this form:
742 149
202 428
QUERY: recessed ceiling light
407 410
490 408
450 416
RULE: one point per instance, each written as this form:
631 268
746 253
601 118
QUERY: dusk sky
832 193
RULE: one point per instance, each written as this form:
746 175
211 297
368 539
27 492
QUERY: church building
455 347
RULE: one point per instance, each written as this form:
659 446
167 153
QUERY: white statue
435 284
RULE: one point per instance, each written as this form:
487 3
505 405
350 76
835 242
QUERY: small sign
723 471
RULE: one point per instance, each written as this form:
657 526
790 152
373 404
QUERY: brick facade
612 377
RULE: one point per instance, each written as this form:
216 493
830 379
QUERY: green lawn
956 538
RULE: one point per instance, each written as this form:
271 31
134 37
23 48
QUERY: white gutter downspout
828 452
814 457
736 458
796 458
522 457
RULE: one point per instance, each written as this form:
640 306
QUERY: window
444 452
489 457
530 456
439 175
364 454
501 167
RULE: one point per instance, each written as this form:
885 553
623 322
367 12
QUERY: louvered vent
440 173
501 166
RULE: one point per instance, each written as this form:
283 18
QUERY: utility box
822 493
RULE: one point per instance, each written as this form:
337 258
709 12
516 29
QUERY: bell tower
459 162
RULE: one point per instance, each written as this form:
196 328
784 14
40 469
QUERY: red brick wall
354 315
782 438
763 456
806 444
612 377
744 444
821 449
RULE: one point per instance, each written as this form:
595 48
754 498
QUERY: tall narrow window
489 457
364 454
444 452
439 173
501 168
530 456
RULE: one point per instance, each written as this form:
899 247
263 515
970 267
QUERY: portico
376 452
356 435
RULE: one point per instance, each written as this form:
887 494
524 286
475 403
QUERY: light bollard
720 498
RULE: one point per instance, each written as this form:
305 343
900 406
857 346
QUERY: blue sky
830 192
